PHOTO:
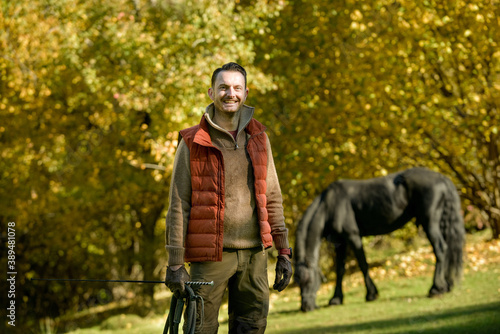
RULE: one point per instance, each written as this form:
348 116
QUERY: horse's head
307 246
309 279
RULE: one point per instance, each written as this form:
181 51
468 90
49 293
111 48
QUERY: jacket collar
202 136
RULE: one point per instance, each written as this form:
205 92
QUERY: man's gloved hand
175 280
283 273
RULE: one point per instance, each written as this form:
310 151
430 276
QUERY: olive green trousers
244 274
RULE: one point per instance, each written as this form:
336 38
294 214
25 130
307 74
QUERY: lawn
403 281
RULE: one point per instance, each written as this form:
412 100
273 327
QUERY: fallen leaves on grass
422 261
481 254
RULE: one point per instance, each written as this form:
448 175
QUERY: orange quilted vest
206 221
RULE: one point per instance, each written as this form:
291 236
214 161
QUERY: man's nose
231 91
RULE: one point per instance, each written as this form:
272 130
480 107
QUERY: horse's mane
303 228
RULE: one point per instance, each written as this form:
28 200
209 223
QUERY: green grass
472 307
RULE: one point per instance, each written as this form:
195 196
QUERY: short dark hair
229 67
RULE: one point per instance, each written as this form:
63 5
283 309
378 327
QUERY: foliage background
93 94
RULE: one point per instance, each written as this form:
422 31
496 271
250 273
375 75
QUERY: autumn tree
366 88
93 95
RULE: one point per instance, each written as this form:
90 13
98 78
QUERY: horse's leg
371 289
340 256
431 228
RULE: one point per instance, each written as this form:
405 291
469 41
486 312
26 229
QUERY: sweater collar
202 136
246 115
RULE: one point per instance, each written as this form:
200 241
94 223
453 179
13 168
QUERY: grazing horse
351 209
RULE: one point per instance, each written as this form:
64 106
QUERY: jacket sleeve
275 203
179 206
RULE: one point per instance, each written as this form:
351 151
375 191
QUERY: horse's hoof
308 308
370 298
435 292
335 301
435 295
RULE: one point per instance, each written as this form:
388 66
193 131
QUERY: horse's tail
453 230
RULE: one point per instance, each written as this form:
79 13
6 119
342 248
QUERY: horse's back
422 177
385 204
425 187
379 204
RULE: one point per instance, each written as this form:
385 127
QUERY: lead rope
175 312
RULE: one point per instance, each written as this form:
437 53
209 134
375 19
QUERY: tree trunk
495 226
148 246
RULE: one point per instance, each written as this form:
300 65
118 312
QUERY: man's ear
211 93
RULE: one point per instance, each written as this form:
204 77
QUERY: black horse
350 209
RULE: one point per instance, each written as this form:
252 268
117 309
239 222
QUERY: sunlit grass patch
402 307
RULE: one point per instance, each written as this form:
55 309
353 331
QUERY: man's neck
227 121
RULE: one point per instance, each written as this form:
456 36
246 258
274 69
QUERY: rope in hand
177 306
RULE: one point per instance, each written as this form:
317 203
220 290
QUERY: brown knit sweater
241 229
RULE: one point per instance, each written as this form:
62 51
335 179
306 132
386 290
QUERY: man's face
229 91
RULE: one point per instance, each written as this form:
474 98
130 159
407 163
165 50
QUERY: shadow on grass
407 297
326 306
94 317
483 318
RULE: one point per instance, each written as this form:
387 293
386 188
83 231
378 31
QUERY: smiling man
226 210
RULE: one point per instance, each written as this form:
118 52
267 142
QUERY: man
226 210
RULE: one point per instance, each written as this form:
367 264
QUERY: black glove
283 269
175 280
